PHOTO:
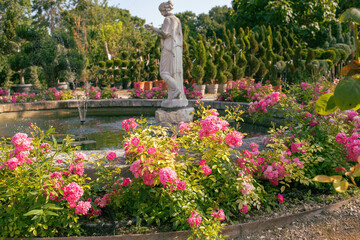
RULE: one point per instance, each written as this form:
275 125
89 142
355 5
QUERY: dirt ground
340 224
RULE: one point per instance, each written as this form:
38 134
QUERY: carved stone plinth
173 116
174 103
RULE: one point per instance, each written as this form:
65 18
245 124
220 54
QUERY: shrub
40 194
109 63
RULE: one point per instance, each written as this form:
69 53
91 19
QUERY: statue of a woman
171 64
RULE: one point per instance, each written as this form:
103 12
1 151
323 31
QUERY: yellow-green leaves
339 184
326 105
347 93
351 15
322 179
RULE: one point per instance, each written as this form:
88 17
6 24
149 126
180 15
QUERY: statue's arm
161 32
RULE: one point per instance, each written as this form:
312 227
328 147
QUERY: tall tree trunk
21 74
108 55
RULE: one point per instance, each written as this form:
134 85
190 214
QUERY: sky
148 9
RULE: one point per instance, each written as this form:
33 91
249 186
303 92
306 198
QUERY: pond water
97 133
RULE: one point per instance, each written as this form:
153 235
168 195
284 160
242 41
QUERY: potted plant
276 72
260 74
198 73
209 78
19 63
117 78
221 78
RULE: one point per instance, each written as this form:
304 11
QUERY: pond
97 133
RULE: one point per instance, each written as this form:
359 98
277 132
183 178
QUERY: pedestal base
172 116
174 103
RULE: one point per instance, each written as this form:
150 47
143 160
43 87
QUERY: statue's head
166 7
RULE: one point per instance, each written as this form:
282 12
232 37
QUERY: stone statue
171 63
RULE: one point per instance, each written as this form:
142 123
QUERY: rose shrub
158 93
40 194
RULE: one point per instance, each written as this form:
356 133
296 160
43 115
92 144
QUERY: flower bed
54 94
210 184
159 93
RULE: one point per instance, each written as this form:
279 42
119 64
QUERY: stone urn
22 88
222 87
148 85
63 85
212 88
200 88
140 85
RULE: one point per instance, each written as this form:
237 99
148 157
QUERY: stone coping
232 231
105 103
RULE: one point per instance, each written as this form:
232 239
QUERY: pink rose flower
194 220
82 207
151 151
280 198
202 162
206 170
181 185
219 215
140 148
244 209
111 156
135 141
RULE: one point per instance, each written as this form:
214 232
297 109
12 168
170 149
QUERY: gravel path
342 224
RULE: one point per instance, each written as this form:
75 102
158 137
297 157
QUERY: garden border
232 231
105 103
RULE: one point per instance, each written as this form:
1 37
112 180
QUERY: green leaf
34 212
347 94
356 171
322 179
52 206
325 105
341 186
51 213
351 15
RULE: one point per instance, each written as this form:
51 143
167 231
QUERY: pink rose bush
53 94
245 90
194 178
105 93
194 220
159 93
33 179
162 174
154 93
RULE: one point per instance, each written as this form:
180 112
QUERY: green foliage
117 62
198 73
352 16
262 70
290 14
329 54
102 64
347 93
325 105
109 63
210 72
254 65
26 207
158 204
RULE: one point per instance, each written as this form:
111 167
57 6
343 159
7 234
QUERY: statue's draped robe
171 62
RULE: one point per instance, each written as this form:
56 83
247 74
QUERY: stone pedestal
173 116
174 103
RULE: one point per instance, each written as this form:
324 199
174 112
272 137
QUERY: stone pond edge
231 231
105 103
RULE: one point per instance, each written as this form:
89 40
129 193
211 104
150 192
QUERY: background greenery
44 42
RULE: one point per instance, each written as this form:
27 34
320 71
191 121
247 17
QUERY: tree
47 13
309 19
